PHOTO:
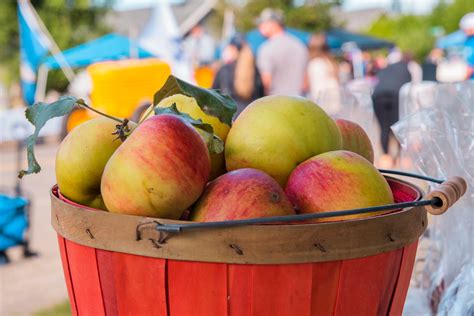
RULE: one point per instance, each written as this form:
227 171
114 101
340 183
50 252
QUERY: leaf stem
81 103
147 113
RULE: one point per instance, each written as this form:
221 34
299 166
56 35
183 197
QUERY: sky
408 6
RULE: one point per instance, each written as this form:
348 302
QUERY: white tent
161 36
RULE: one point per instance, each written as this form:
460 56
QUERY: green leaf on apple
211 101
38 114
214 143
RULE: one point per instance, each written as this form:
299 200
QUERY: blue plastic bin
13 221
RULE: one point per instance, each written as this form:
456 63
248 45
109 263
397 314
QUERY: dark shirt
429 71
392 78
224 81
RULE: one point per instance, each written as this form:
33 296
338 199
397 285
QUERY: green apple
277 133
81 159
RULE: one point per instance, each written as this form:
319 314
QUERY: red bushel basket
130 265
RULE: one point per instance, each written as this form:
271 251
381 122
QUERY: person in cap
467 26
282 59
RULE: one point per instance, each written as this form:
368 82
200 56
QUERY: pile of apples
282 156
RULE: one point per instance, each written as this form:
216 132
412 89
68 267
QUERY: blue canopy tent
455 39
335 37
108 47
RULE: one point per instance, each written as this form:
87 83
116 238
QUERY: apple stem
81 103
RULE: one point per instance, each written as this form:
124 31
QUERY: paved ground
27 285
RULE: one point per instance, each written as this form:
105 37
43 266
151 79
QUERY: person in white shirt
323 75
200 46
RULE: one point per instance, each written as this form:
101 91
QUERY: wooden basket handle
449 192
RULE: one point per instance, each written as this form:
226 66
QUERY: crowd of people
286 65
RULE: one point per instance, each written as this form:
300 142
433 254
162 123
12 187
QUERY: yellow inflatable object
120 87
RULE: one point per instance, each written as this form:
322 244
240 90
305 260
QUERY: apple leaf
214 143
211 101
38 114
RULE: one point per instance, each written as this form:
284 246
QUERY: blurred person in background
370 72
385 99
467 26
430 64
381 61
345 69
200 46
323 74
238 76
413 67
282 59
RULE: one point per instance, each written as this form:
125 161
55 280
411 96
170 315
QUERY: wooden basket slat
67 274
105 264
281 289
403 281
363 287
140 284
85 279
197 288
325 282
239 287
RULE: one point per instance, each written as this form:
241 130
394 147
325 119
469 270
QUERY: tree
310 16
448 15
69 22
415 33
409 32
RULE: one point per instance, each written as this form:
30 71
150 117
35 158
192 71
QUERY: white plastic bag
440 142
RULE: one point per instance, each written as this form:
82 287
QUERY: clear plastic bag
439 140
351 103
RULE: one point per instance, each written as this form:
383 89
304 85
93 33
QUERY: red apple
241 194
159 171
337 180
355 139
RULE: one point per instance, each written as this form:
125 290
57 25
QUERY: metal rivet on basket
390 237
88 231
320 247
154 243
237 249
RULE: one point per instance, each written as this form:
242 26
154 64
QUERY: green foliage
311 16
210 101
69 22
448 15
409 32
414 32
38 115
